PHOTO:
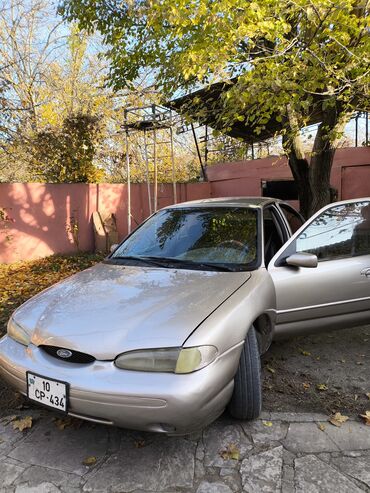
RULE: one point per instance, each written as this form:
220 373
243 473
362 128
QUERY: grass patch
22 280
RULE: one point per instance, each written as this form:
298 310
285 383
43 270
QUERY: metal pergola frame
149 120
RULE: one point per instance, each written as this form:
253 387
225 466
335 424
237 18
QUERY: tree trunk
313 177
299 167
313 181
320 170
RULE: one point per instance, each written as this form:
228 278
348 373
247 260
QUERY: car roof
227 202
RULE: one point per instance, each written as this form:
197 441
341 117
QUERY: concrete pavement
281 452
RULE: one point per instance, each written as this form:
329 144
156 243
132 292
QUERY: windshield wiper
191 263
165 261
145 260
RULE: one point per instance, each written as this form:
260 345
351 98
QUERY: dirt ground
318 373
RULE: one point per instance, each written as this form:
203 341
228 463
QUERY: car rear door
335 294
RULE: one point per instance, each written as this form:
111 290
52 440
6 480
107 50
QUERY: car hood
109 309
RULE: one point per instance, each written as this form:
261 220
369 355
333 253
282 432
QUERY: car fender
227 326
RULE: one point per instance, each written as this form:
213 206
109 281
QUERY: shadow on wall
41 219
38 219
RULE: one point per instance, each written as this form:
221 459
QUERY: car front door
336 293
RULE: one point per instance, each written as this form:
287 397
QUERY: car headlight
174 360
18 333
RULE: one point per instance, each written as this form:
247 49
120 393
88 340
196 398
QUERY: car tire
246 401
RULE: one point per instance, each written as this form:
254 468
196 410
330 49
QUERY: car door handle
366 272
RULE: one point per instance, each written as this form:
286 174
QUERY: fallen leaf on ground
366 417
305 353
271 370
342 360
321 427
62 423
231 452
306 385
23 423
368 395
139 443
338 419
89 461
267 423
322 386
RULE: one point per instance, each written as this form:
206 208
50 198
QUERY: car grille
76 356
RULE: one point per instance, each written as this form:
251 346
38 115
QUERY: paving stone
217 487
350 436
199 470
314 476
217 438
287 487
63 450
288 457
226 471
199 454
261 473
297 417
35 475
9 437
307 437
356 467
9 472
352 454
41 488
233 481
261 433
288 473
161 464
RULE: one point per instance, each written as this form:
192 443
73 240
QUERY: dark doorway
280 189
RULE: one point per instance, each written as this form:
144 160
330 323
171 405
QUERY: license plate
47 391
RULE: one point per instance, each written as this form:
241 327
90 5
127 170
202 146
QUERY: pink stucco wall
245 177
39 214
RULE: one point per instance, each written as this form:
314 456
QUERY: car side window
339 232
295 220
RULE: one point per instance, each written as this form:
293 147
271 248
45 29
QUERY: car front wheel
246 401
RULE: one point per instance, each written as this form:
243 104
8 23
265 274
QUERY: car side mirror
113 247
302 260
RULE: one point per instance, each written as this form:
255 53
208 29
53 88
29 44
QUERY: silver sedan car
167 332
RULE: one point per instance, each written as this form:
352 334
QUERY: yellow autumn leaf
267 423
338 419
321 426
62 423
231 452
322 387
366 417
89 461
22 423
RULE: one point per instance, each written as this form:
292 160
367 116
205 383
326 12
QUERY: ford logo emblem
64 353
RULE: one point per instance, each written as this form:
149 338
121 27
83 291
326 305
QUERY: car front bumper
100 392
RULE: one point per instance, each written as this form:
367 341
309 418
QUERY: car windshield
195 238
